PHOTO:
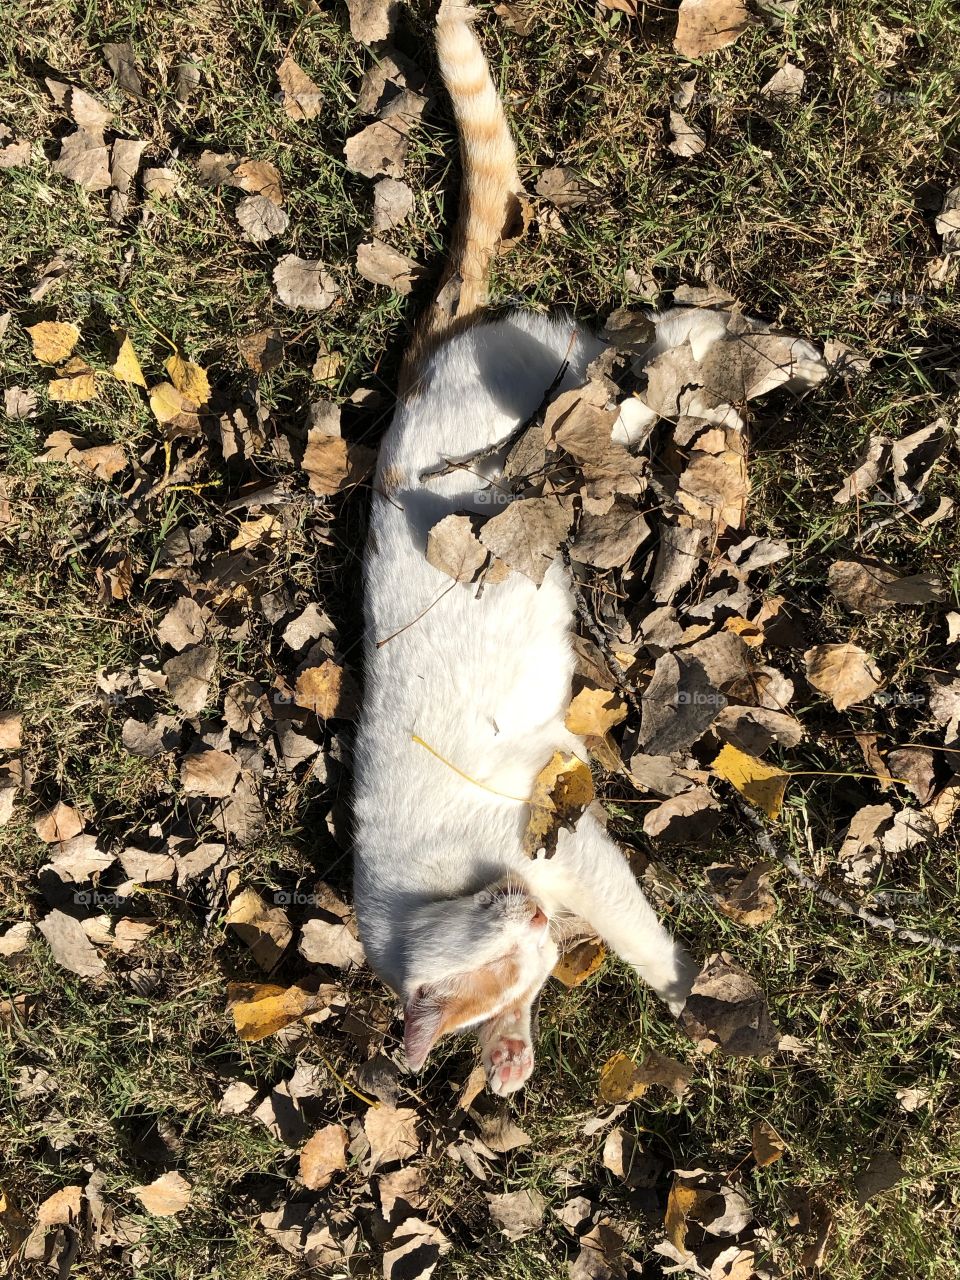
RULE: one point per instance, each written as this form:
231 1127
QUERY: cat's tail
489 185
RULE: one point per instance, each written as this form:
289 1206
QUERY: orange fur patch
481 995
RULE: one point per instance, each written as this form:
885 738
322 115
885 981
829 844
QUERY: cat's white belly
481 679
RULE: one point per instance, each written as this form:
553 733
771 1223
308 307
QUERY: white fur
485 680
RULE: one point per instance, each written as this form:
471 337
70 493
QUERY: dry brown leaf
762 784
161 182
703 26
173 409
331 941
527 534
392 1134
184 624
867 586
380 264
392 204
324 1154
300 282
517 1213
842 672
85 159
60 824
623 1080
261 219
562 790
454 549
209 773
371 21
767 1144
302 99
263 351
71 947
165 1196
727 1010
11 727
265 930
564 188
785 85
743 895
327 691
875 456
53 340
595 711
188 677
686 139
259 178
690 815
261 1009
378 150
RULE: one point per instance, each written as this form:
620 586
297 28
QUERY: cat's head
468 958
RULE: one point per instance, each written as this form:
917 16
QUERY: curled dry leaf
261 1009
842 672
686 139
562 790
380 264
743 895
689 816
707 1200
301 282
727 1010
762 784
623 1080
265 930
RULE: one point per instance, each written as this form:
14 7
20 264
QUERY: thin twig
772 849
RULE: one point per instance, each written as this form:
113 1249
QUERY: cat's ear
422 1016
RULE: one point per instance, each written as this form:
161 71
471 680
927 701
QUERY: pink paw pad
509 1064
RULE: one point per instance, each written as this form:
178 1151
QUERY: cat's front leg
594 882
506 1045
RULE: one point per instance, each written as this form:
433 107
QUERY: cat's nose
538 920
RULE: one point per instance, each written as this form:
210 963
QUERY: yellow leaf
77 381
126 367
619 1080
595 711
261 1008
748 632
173 409
53 341
762 784
189 379
681 1201
561 792
577 965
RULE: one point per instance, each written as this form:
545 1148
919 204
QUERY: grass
819 217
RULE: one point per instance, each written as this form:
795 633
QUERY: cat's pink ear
422 1017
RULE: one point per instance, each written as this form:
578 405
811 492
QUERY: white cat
452 915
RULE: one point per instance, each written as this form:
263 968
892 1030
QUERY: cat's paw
508 1063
